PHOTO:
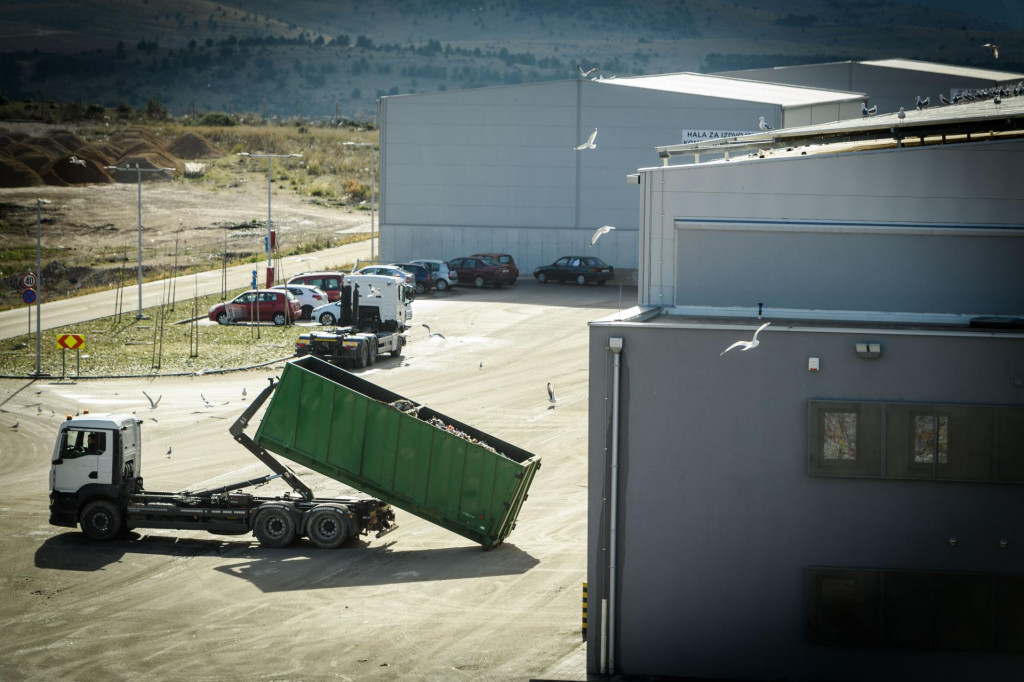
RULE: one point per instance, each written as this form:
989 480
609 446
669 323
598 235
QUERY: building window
840 433
846 439
915 609
931 439
916 441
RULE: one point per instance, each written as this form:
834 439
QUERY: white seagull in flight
583 73
747 345
589 144
600 231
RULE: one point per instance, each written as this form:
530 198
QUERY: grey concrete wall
888 88
904 197
719 518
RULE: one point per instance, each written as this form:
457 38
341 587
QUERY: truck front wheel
326 528
399 342
274 528
101 520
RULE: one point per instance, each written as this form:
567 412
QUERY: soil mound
35 160
147 160
192 146
67 139
13 173
74 170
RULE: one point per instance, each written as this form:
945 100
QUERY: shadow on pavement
297 567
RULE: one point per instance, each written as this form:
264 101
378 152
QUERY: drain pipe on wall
608 627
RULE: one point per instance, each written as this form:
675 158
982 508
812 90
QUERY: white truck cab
386 293
95 455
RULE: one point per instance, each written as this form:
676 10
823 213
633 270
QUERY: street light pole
373 197
139 172
268 157
39 278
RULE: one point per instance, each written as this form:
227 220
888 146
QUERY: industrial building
840 500
497 169
890 83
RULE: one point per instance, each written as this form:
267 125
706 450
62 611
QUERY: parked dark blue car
422 279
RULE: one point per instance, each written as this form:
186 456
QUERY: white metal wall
495 170
925 190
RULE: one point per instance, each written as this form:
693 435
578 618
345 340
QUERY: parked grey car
444 277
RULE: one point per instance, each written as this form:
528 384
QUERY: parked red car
259 305
503 259
481 271
329 282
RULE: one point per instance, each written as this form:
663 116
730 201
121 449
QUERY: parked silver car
444 277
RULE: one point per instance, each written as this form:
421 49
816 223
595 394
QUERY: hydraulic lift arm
237 431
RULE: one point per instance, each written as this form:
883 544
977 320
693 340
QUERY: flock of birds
997 94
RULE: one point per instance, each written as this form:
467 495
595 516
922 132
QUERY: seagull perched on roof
922 103
583 73
763 125
864 111
994 48
747 345
589 144
943 99
600 231
901 114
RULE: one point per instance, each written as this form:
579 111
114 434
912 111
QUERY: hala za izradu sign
701 135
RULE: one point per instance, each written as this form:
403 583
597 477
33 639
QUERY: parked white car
309 297
406 277
444 277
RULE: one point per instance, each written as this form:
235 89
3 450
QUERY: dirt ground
98 224
418 604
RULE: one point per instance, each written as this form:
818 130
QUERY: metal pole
373 202
270 262
39 277
615 346
139 172
138 316
268 157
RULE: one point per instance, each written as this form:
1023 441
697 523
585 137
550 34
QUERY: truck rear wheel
364 355
101 520
326 528
372 357
274 528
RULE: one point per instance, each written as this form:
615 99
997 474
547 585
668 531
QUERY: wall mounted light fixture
869 351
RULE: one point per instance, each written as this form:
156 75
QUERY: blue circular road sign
29 296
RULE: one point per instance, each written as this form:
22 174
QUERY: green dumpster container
406 454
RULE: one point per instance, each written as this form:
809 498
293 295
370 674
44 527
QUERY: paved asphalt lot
418 604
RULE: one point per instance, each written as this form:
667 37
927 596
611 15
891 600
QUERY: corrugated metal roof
969 121
736 89
947 69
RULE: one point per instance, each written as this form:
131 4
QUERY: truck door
83 456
